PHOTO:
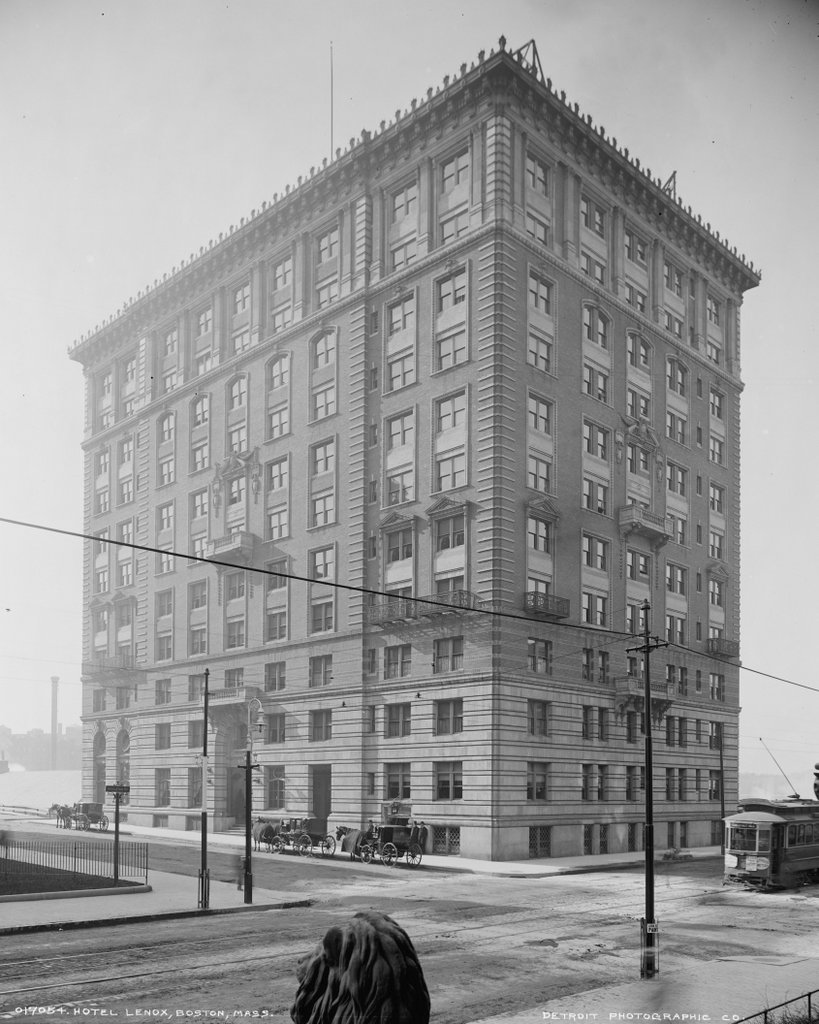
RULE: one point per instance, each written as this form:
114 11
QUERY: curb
61 926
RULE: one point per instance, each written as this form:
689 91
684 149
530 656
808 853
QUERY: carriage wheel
277 845
328 846
367 853
104 823
414 855
389 854
84 822
304 845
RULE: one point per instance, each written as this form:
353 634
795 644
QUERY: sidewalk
714 991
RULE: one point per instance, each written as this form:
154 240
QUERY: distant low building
404 454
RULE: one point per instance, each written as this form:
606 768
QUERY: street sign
117 789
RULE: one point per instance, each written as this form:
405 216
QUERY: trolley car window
764 843
743 837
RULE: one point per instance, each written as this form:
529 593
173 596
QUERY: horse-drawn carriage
389 843
302 835
82 816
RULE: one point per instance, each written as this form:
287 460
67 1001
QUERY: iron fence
94 858
803 1008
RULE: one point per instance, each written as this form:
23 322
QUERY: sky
134 132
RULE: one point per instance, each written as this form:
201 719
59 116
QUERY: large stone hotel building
403 456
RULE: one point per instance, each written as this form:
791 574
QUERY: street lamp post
204 875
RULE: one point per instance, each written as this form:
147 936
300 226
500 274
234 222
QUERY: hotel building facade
403 456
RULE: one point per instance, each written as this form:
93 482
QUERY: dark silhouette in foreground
366 972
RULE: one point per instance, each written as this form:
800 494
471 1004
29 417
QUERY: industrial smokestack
54 681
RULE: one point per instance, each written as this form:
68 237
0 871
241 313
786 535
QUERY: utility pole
722 785
649 935
204 875
253 707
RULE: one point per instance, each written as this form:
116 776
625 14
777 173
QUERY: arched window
323 350
638 351
595 326
237 393
278 372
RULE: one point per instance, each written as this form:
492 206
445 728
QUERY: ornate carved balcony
233 547
630 695
635 519
722 648
395 609
233 695
546 606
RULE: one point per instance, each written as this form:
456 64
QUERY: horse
351 840
63 812
264 832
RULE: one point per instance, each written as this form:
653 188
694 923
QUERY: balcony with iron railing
109 665
722 648
233 695
636 519
447 601
394 609
546 606
237 545
636 685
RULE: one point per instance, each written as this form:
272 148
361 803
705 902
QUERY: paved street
489 946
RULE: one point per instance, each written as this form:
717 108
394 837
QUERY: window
675 629
638 405
405 202
323 351
636 247
397 661
282 273
454 226
716 593
196 733
278 373
595 440
454 171
403 254
638 566
400 487
538 717
237 438
165 561
593 268
677 479
321 616
540 414
537 175
539 534
323 509
399 545
636 298
448 777
400 430
595 326
450 472
537 775
717 405
540 293
673 278
447 654
240 341
716 450
169 381
163 693
450 350
275 626
676 427
539 656
162 736
321 670
197 640
281 318
237 393
539 352
595 496
326 293
587 782
716 544
595 608
199 412
401 315
537 229
677 377
595 383
451 291
592 216
676 579
274 676
714 311
162 787
235 634
448 716
595 552
276 474
538 473
321 725
638 351
327 245
275 728
166 470
450 412
677 527
241 299
401 371
449 533
397 720
200 455
323 402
